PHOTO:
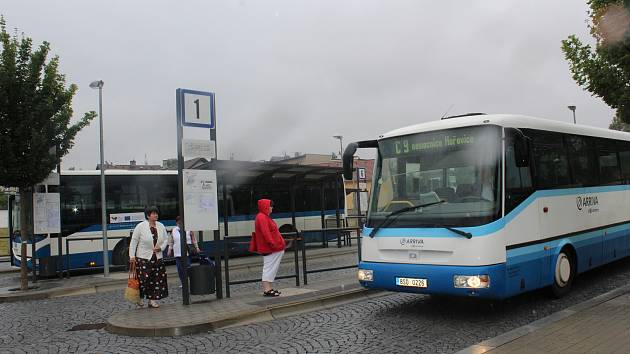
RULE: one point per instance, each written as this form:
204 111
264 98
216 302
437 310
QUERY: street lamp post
572 108
99 85
340 137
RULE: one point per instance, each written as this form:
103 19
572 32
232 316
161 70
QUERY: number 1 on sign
197 107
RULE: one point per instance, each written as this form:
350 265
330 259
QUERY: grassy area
4 242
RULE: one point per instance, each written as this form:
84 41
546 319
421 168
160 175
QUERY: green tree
604 70
35 113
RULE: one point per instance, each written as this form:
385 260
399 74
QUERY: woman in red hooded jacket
268 242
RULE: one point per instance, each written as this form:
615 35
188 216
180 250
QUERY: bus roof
511 121
236 171
118 172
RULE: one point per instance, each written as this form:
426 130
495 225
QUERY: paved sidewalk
240 268
5 266
249 307
599 325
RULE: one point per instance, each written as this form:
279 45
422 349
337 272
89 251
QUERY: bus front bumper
436 279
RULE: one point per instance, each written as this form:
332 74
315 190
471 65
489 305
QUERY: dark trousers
182 264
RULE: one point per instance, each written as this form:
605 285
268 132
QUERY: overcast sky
290 74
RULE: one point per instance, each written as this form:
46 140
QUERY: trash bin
48 266
201 279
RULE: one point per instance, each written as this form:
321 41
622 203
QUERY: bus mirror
348 159
348 156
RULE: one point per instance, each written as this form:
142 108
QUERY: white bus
130 192
494 205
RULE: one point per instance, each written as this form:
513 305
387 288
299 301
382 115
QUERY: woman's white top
175 243
143 240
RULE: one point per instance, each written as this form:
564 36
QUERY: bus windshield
455 172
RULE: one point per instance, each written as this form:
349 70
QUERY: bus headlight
365 275
471 281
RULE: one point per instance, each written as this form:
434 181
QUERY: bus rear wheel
120 254
564 273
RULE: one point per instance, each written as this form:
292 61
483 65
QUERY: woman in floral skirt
148 241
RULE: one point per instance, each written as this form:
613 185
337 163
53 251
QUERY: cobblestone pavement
394 323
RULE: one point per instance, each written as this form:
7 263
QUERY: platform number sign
197 108
361 173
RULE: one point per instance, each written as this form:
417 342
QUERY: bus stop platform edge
177 319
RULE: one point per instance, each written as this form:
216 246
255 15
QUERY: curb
247 317
50 293
118 284
493 343
7 271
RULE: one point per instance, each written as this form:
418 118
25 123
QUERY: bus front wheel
564 273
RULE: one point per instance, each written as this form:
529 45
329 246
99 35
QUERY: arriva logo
412 242
586 201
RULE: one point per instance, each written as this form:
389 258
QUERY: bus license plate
411 282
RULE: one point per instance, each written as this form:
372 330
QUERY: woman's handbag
132 292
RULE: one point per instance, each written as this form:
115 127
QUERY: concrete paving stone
383 325
599 328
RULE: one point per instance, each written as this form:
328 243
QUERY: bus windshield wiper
389 218
468 235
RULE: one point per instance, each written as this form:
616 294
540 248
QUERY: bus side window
624 156
551 161
281 201
240 197
582 160
518 180
609 171
299 199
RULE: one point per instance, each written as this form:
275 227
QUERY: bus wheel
564 273
120 254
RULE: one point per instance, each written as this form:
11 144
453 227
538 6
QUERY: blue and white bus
318 194
494 205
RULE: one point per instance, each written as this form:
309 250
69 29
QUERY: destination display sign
453 139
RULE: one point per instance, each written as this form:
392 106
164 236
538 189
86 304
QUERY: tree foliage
35 129
604 70
35 111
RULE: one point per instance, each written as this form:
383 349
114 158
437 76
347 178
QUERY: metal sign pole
103 200
180 189
197 187
218 278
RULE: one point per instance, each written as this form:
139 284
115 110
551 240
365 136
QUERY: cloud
290 74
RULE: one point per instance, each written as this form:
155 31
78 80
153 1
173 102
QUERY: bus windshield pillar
358 200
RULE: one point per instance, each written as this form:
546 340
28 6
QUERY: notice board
200 200
46 213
